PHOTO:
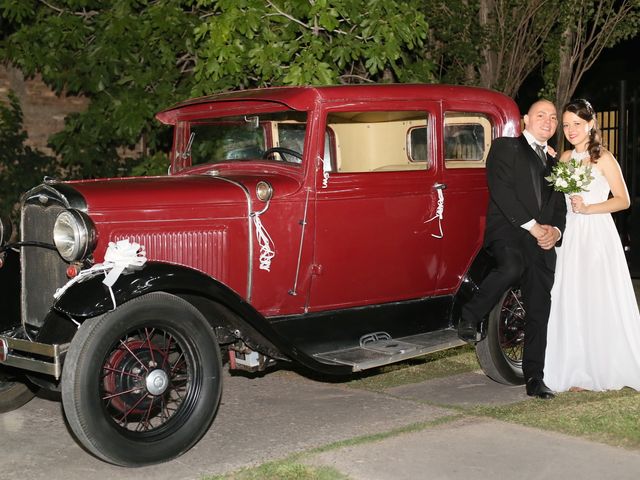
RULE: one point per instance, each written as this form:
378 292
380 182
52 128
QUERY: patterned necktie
543 156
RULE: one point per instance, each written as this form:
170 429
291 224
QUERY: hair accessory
588 106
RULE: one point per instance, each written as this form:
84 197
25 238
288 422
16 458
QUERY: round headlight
264 191
74 235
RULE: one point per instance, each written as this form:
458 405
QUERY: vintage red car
339 228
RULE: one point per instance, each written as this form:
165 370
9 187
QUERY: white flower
570 177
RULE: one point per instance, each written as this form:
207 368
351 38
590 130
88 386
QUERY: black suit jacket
514 173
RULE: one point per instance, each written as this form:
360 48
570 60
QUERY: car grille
43 270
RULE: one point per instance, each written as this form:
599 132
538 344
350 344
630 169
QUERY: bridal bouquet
570 177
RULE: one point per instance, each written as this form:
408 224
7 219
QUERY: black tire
15 391
142 383
500 352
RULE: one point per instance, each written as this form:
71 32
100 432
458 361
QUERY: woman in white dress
593 339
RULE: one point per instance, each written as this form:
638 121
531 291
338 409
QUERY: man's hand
546 235
538 231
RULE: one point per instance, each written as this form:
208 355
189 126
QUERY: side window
418 144
467 137
291 136
380 141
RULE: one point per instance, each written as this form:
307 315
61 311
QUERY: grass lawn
606 417
283 470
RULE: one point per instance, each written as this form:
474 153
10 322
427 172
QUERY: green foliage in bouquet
570 177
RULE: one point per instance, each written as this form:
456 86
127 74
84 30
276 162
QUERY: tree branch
315 29
84 14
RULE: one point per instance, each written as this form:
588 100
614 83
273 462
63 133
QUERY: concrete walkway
478 448
259 420
482 449
267 418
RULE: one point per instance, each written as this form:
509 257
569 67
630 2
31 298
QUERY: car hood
195 191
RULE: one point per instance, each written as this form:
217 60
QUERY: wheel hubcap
157 382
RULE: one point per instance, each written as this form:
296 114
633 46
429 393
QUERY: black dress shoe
537 388
469 331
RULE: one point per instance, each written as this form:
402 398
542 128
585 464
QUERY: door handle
440 186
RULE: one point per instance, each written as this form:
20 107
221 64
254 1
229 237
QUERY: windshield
277 136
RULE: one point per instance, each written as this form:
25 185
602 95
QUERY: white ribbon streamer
120 256
265 242
439 214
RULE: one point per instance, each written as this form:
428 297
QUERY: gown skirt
593 338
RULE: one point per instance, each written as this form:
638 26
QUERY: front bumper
32 356
15 351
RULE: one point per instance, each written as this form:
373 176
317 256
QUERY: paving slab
475 448
463 390
260 419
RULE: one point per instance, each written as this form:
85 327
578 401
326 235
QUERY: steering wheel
284 152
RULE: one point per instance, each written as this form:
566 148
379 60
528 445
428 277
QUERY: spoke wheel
15 391
145 380
142 384
500 352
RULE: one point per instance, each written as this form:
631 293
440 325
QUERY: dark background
601 83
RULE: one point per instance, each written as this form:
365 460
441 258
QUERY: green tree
499 43
249 43
517 31
584 29
456 39
132 58
21 167
490 43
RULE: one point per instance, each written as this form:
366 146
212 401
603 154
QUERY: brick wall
44 112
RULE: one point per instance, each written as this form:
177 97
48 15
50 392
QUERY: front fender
90 297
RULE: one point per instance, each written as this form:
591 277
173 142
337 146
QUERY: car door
467 135
376 229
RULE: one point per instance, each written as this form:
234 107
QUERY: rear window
467 138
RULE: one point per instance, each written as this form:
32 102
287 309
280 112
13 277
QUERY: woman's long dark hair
585 111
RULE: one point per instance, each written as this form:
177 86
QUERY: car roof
306 97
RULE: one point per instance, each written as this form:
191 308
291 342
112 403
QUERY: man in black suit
525 219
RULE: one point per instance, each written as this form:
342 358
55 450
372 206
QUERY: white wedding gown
593 340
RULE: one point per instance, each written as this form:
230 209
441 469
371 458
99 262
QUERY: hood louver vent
202 250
